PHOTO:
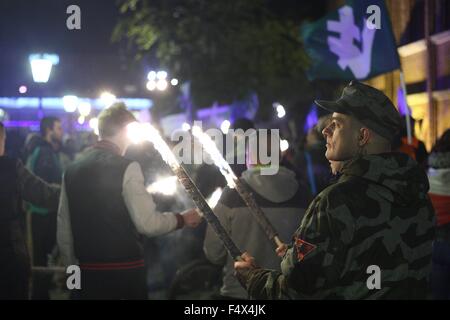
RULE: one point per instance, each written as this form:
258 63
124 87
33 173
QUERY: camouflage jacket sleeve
316 257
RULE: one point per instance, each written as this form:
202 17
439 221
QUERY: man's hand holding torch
191 218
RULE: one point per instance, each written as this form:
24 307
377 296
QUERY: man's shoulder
232 199
45 147
45 154
343 188
104 164
94 155
346 193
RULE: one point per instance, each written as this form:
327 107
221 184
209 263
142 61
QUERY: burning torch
140 132
234 182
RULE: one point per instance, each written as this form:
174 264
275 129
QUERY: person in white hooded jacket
283 201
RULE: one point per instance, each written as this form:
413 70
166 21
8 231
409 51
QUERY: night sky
89 62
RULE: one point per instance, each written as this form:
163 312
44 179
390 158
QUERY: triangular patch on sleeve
303 248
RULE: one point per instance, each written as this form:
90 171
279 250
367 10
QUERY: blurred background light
84 108
151 75
81 120
107 99
185 126
70 103
93 124
161 85
281 112
225 126
151 85
284 145
161 75
23 89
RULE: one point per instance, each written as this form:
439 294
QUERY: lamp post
41 68
158 80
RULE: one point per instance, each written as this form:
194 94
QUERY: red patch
303 248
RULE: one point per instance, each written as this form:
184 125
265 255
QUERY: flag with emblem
353 42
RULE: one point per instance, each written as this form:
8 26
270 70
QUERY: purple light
57 103
311 119
212 112
401 102
21 124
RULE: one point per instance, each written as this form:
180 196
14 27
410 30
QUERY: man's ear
364 136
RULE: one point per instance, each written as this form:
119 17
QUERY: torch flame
152 135
135 132
139 132
215 197
210 147
166 186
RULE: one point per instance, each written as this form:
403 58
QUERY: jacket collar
109 146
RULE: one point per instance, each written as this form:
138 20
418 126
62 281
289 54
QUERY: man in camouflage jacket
376 221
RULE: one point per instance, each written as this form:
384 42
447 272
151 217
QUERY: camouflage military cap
369 105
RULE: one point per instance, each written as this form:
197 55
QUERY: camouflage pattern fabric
378 213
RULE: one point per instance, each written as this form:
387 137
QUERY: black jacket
17 184
103 231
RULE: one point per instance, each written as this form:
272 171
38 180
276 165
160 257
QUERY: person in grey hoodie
282 200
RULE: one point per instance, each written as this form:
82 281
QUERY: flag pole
430 71
407 111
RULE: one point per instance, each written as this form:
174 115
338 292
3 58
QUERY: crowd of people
355 195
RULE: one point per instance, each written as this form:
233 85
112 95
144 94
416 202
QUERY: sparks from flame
210 147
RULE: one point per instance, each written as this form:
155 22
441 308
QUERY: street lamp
161 85
41 68
157 80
